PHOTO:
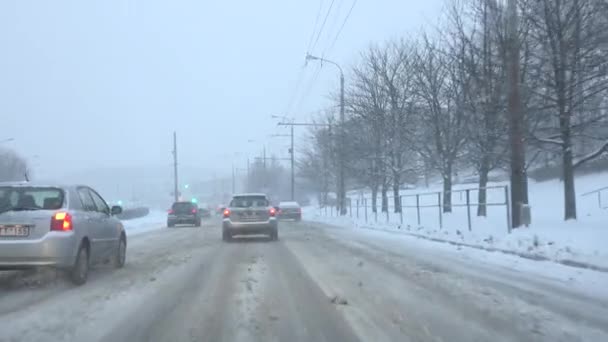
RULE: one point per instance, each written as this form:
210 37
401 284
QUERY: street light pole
175 187
341 175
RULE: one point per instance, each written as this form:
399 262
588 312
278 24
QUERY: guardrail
599 196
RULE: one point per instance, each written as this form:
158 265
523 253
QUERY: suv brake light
272 211
170 211
194 211
226 213
62 222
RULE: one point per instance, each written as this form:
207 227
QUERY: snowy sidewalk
569 243
581 243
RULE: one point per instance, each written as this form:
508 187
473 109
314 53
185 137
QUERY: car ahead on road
66 227
290 211
184 213
249 214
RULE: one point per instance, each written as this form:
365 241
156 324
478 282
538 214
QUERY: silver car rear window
249 201
47 198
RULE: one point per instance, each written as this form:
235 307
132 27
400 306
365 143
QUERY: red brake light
170 211
62 222
194 211
272 211
226 213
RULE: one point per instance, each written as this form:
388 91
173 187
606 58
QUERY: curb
529 256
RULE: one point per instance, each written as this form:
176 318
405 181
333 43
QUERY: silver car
249 214
67 227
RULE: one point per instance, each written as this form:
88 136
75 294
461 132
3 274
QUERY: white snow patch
155 220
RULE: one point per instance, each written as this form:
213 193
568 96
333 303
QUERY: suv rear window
183 206
30 197
249 201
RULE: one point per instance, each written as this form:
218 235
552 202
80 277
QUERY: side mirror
116 210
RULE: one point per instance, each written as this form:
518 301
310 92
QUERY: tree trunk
375 198
384 197
447 190
484 169
396 198
569 194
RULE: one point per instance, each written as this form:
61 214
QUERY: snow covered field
548 237
155 220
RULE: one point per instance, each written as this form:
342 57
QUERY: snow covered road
317 283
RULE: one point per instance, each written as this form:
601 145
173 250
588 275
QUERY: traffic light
187 186
194 200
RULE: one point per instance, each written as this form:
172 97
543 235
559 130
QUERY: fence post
376 215
387 213
508 204
440 213
418 208
468 208
350 208
401 209
365 201
357 208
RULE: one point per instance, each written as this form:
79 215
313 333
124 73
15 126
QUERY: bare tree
441 117
12 166
572 52
368 105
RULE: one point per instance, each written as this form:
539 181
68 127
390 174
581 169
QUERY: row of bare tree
437 103
12 166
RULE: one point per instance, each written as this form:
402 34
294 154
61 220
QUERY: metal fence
418 208
598 192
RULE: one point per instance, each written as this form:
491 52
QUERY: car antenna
27 179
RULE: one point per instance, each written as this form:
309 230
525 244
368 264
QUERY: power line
341 27
322 25
310 85
331 27
292 98
314 28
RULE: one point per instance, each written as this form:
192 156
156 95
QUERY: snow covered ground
155 220
549 237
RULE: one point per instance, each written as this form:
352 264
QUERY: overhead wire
322 25
301 72
333 43
314 28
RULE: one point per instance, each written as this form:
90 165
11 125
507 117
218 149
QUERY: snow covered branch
602 149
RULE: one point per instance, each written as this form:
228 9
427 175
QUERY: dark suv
184 213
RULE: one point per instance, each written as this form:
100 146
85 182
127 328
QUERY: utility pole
265 175
341 181
175 185
292 150
233 181
342 142
293 175
519 191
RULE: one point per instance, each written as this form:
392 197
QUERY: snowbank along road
315 284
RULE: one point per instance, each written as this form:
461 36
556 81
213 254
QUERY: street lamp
341 182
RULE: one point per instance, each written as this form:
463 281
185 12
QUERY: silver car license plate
16 230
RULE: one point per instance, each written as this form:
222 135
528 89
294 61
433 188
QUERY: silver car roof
259 194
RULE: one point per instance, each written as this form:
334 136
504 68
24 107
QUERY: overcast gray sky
88 84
